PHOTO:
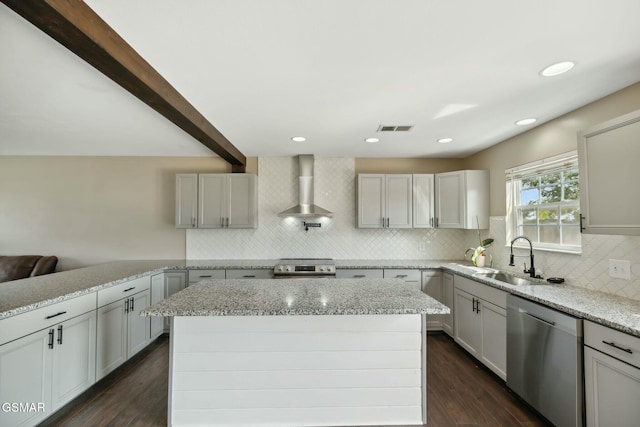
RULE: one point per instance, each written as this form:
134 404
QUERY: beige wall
88 210
549 139
406 165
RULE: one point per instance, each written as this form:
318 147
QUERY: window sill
570 251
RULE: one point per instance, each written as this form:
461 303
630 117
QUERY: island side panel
297 370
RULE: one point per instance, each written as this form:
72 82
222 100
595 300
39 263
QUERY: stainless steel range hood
305 207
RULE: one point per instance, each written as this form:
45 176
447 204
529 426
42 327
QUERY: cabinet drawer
480 290
617 344
364 273
27 323
250 274
406 274
123 290
197 275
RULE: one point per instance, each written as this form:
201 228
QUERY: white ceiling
332 71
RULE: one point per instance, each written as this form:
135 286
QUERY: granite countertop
27 294
301 296
616 312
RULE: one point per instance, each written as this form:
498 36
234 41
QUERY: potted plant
478 258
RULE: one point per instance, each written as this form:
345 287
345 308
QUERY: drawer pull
205 276
56 315
129 289
359 276
401 276
249 275
614 345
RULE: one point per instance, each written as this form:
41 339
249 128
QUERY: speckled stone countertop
23 295
616 312
302 296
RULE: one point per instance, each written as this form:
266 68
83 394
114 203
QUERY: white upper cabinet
216 201
462 199
385 201
186 200
608 160
211 198
443 200
371 200
423 201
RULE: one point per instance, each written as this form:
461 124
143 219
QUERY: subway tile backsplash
338 238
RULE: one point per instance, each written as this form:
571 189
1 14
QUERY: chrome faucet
532 270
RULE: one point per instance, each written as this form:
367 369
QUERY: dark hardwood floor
460 393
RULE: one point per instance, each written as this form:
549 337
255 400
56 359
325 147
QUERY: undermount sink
507 278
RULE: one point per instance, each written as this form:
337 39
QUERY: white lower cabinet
480 323
46 369
197 275
249 274
410 276
432 286
362 273
611 377
122 332
157 294
447 299
174 281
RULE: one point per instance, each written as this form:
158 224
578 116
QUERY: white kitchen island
298 352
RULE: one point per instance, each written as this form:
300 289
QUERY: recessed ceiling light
371 140
299 139
557 69
525 122
445 140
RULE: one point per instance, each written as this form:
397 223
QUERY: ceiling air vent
396 128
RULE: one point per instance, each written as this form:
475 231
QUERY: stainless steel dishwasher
544 360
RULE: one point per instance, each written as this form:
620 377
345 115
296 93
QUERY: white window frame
514 177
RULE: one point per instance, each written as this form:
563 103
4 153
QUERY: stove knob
321 268
280 268
288 268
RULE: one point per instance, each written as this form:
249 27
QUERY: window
543 203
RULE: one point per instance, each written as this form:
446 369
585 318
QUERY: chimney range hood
305 207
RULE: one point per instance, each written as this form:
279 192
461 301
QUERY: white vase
480 260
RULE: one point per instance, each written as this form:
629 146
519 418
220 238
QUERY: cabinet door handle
56 315
132 300
126 306
227 222
477 306
193 222
387 222
50 338
614 345
129 289
59 334
582 228
431 221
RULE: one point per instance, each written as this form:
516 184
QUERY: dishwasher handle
548 322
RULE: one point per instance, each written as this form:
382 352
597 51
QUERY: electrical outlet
620 269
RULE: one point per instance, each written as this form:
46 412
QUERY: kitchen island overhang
303 352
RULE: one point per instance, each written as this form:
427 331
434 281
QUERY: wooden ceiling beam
77 27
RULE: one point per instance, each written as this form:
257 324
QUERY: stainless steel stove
304 267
